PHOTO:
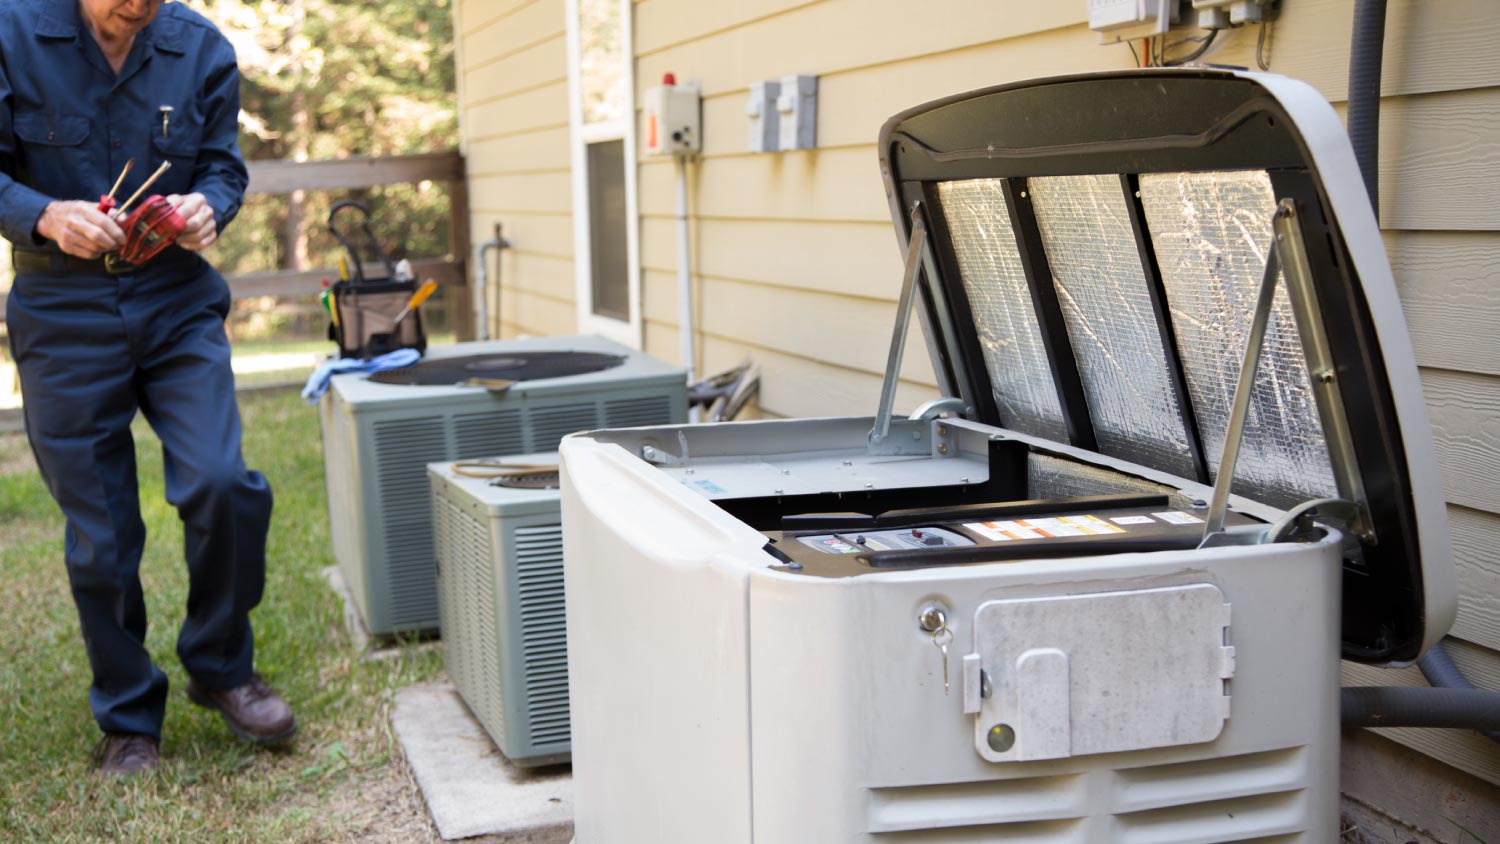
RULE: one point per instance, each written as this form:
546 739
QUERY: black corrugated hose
1438 667
1403 706
1366 53
1453 701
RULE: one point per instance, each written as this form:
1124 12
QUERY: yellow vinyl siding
1449 290
514 120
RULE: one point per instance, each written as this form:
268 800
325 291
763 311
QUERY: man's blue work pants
92 349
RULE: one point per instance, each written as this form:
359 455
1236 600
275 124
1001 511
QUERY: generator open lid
1089 257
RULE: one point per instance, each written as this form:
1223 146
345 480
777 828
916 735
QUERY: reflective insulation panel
1006 323
1211 232
1049 476
1096 264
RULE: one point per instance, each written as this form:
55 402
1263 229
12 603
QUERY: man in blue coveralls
86 85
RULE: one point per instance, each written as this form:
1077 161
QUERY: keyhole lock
933 619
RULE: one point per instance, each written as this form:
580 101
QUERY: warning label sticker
1046 528
1178 518
1133 520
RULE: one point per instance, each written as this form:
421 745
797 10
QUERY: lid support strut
1288 254
1243 390
915 245
1320 365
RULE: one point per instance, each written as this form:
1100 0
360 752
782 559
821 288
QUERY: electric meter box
1118 20
674 119
1097 591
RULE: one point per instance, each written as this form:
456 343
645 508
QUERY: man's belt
56 263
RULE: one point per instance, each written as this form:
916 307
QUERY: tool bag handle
364 225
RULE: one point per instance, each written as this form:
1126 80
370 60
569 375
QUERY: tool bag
363 310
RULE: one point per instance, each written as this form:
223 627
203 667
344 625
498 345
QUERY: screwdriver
165 166
427 289
107 201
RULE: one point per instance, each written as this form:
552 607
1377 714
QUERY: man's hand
202 230
79 228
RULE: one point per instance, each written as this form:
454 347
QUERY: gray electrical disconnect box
763 116
798 107
1219 14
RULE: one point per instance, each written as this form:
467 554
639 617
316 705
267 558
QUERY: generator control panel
885 540
849 544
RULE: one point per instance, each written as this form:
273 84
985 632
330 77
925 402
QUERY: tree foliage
327 79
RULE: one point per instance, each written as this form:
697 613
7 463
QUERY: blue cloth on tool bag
92 349
317 383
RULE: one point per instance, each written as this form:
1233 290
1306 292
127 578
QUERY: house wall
795 263
513 116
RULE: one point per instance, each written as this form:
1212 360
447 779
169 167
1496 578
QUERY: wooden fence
355 173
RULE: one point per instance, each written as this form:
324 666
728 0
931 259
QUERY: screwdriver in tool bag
427 289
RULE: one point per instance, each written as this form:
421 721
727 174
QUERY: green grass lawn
210 787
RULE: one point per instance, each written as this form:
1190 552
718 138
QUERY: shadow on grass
210 787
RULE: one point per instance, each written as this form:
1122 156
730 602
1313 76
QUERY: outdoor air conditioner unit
1100 591
498 541
474 400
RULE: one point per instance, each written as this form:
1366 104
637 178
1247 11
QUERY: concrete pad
373 647
470 788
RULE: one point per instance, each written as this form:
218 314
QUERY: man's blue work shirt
68 123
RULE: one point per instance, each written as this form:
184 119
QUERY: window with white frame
602 111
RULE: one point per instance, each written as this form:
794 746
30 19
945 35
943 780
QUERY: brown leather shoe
126 754
253 711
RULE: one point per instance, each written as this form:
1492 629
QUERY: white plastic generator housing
1100 592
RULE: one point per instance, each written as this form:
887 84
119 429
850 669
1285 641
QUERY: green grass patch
211 787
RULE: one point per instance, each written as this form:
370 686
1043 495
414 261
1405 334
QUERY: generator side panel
658 641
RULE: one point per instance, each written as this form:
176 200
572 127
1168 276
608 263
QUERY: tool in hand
107 201
151 228
165 166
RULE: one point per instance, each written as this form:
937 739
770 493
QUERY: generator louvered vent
544 643
402 450
515 366
1258 797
